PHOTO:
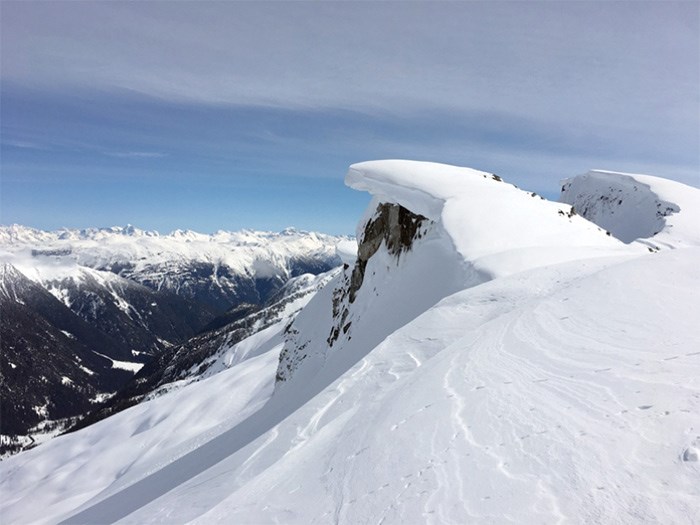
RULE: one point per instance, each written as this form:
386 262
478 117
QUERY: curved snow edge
369 177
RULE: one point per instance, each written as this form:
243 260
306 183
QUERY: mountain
484 356
213 271
125 297
217 349
53 365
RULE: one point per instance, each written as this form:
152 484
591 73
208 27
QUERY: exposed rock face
396 227
391 225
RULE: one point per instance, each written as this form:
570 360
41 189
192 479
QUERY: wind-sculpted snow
657 212
462 227
494 225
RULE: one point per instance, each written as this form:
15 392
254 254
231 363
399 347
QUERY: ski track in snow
537 377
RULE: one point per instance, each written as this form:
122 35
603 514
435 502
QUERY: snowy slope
145 438
470 227
542 372
658 212
510 402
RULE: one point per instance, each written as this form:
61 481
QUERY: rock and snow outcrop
430 231
659 213
485 356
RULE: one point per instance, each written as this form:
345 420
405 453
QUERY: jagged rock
391 225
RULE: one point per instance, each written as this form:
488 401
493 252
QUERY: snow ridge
494 225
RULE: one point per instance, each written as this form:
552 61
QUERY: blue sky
227 115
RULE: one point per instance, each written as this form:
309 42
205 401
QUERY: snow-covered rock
430 231
659 213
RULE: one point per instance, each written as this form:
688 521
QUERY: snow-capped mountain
486 356
134 294
54 364
425 236
216 271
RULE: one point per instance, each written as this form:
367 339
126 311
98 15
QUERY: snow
41 410
659 212
514 414
59 252
86 370
502 231
347 251
115 258
102 397
515 365
123 365
132 444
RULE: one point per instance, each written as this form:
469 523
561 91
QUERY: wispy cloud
135 154
24 145
628 62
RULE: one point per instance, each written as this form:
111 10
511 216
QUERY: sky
230 115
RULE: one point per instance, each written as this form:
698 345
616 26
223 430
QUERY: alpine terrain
83 311
483 355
